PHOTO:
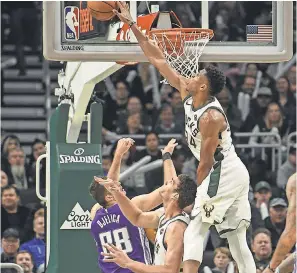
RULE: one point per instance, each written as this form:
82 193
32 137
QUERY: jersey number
190 140
119 237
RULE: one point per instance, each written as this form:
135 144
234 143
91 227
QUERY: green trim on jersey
214 181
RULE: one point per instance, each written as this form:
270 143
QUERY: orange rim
187 31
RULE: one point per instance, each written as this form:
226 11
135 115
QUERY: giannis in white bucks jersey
193 135
160 245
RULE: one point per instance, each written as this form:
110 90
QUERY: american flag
259 33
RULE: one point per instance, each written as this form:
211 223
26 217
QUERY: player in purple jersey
109 225
177 193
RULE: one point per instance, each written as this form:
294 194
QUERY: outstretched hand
124 145
115 255
125 15
109 184
169 148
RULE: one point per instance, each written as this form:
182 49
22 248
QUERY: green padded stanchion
72 167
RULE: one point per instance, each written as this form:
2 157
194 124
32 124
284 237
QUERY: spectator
232 112
166 125
258 108
222 258
287 169
285 97
106 163
25 260
118 105
134 106
248 86
244 96
177 108
190 167
276 221
38 149
266 79
273 122
166 91
133 126
262 248
17 170
251 70
154 178
4 179
8 143
36 247
292 79
258 170
10 243
13 215
178 160
262 195
145 85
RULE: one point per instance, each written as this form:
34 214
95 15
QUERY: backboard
254 31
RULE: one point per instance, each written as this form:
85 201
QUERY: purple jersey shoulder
111 226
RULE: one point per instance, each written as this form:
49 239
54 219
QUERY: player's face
169 189
198 83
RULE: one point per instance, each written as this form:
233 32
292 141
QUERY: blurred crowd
258 98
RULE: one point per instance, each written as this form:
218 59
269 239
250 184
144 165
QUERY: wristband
272 270
166 156
132 23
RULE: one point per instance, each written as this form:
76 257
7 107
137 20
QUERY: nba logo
71 16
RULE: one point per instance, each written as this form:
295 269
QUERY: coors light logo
77 219
78 157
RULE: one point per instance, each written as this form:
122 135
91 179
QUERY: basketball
102 10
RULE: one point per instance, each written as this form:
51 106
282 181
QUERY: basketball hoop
182 47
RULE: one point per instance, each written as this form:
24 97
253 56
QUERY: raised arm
151 51
174 241
136 216
211 124
169 169
288 237
147 202
123 146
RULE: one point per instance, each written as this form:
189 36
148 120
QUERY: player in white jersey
222 197
177 193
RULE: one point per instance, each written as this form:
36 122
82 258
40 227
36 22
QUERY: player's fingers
175 144
110 249
113 247
107 254
115 12
109 260
107 184
99 179
120 5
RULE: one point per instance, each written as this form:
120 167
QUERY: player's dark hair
216 78
261 230
97 191
186 190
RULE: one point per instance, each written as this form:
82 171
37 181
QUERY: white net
182 50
